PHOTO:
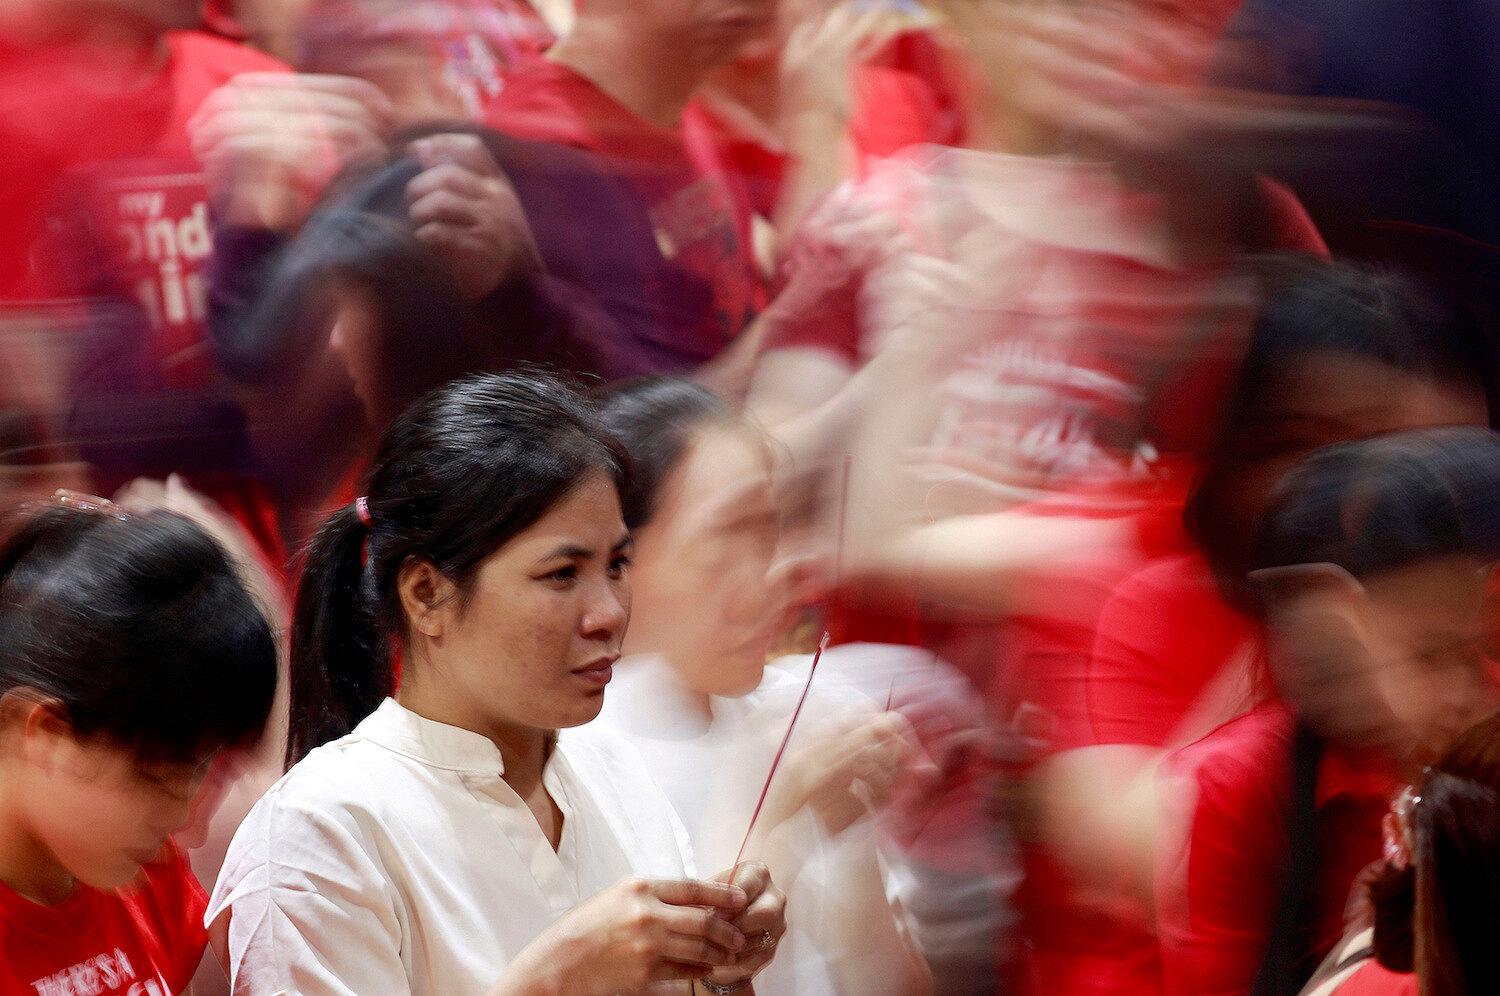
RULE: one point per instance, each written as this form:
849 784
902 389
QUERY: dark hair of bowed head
655 418
459 473
1386 502
139 625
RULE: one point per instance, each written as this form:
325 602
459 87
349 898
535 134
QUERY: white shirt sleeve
312 913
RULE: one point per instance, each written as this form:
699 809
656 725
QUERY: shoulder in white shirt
397 860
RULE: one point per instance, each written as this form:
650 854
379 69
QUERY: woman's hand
270 142
847 772
761 924
463 208
638 932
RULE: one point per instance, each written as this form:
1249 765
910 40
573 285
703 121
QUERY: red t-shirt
1163 636
102 195
1216 896
1371 979
472 45
145 939
907 93
700 208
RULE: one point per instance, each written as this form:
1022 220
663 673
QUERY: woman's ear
1318 621
426 596
35 725
1282 587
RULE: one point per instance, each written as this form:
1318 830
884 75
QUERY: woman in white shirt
696 698
455 842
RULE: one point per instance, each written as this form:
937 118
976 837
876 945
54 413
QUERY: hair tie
362 509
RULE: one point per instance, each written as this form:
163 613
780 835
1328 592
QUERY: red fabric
102 194
1164 634
700 207
1370 979
760 164
905 94
473 45
143 940
1215 899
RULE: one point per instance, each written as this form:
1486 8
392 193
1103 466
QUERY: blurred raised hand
463 208
271 142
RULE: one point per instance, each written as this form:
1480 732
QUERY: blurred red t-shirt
145 939
700 207
102 195
1217 893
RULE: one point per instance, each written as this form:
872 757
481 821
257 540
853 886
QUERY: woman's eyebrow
577 551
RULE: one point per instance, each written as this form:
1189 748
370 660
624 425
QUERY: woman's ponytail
341 664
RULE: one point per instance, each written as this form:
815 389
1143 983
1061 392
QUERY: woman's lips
597 674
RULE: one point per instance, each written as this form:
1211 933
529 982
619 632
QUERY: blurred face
163 15
1327 397
532 648
708 32
1428 649
102 812
354 339
706 596
1405 670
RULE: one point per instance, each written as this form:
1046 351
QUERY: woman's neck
26 866
611 58
523 750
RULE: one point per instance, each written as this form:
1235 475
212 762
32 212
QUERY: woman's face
707 597
1429 649
1398 664
1324 397
102 812
533 645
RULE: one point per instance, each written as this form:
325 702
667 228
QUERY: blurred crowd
1105 383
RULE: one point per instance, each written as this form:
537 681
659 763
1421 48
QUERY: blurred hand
847 771
462 207
270 142
822 49
922 308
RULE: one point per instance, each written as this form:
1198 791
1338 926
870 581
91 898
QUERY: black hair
1393 896
462 471
138 624
350 247
1310 305
1456 845
654 418
1375 504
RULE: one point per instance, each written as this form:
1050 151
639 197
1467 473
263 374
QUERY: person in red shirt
104 205
1371 565
1335 353
1433 894
434 59
132 654
622 84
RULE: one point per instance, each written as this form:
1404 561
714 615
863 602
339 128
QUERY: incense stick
776 762
838 569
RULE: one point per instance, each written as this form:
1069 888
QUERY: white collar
437 745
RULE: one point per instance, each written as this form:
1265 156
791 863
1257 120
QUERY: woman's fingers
718 938
763 923
696 892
